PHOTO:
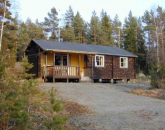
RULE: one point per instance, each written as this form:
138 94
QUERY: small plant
55 122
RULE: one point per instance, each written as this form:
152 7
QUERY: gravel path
113 109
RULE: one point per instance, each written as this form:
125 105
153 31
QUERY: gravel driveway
113 108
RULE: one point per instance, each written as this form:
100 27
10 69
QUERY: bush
158 77
21 102
15 96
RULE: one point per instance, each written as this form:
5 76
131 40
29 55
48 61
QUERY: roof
82 48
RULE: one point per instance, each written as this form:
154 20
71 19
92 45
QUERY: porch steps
86 79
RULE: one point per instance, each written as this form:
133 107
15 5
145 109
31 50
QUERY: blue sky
38 9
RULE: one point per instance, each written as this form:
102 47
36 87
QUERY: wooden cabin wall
88 61
104 72
74 61
112 71
43 60
49 59
33 57
123 73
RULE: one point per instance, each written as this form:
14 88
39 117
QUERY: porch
56 66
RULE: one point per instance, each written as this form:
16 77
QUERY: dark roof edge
35 43
82 51
38 44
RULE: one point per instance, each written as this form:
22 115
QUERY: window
99 61
61 60
123 62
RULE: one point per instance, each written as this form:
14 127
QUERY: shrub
158 77
23 106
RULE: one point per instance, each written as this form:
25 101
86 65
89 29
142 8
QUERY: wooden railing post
53 66
79 64
68 69
45 68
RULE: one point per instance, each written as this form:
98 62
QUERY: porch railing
62 71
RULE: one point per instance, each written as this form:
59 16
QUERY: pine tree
50 24
67 32
26 32
155 27
34 30
69 17
9 36
161 34
148 21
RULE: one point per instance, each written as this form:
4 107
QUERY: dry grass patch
75 109
154 93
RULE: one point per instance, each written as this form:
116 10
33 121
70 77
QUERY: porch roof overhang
67 51
51 46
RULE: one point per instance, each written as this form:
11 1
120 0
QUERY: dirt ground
112 108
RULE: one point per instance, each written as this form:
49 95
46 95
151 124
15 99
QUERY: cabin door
61 60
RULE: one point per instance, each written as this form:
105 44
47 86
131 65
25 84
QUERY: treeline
143 36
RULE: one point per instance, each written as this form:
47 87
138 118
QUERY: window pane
64 60
97 58
101 61
97 62
124 59
101 58
121 59
121 64
58 60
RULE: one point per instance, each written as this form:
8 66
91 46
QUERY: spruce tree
117 32
130 30
79 29
142 50
106 30
94 28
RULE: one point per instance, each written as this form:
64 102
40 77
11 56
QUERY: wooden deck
61 72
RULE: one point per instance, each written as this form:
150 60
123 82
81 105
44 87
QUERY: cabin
61 61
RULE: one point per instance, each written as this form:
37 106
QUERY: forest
143 36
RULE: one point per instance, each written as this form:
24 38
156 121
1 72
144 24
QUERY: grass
143 79
154 93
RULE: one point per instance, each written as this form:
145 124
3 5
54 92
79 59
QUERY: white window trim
96 62
126 63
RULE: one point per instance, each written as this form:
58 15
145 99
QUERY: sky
38 9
